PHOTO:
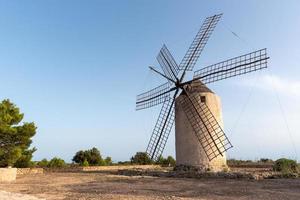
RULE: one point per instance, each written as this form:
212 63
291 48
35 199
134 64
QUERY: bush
85 163
124 163
285 165
166 162
170 161
266 160
92 156
56 163
160 160
108 161
79 157
141 158
240 162
43 163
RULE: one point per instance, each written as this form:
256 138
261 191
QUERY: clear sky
75 68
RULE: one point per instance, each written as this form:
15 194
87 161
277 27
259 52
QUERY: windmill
196 110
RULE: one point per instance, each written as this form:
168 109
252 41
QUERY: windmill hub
178 84
200 139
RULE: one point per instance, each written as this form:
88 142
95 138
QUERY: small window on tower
203 99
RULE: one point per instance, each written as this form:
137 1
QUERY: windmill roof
198 86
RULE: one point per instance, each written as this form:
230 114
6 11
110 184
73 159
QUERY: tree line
93 157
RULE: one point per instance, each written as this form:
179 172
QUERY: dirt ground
55 186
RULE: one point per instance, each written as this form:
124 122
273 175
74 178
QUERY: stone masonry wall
24 171
8 174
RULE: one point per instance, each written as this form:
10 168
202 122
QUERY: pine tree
15 138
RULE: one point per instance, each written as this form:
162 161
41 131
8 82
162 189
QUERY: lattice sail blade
153 97
168 63
189 60
206 128
244 64
161 130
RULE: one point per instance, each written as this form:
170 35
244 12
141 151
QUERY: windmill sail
168 63
189 60
161 130
247 63
206 128
153 97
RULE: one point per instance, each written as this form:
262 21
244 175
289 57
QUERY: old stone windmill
196 110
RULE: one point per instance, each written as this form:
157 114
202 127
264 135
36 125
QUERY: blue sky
75 68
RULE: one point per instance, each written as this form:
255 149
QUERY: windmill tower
196 110
188 149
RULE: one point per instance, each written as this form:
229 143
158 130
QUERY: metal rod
170 66
174 88
161 74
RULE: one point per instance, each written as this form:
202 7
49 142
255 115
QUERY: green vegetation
85 163
286 166
262 161
91 157
166 162
53 163
266 160
141 158
15 138
108 161
124 163
25 160
239 162
43 163
56 163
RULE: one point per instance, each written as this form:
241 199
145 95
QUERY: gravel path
16 196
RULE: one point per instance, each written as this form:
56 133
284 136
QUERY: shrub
169 161
234 162
285 165
124 163
93 157
85 163
160 160
266 160
240 162
141 158
56 163
79 157
108 161
43 163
